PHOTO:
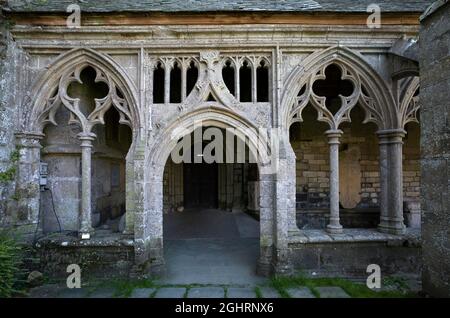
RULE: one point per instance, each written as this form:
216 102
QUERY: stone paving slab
241 293
73 293
300 292
267 292
332 292
142 293
206 292
102 293
170 292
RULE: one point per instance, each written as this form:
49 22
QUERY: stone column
266 221
27 181
85 224
333 140
149 219
130 204
391 181
384 180
291 191
167 71
282 189
134 192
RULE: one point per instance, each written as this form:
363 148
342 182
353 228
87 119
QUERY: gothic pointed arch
370 90
215 116
50 92
409 103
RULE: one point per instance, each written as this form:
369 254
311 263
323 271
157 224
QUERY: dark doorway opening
200 185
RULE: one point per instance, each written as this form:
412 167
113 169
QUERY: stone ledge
98 240
410 238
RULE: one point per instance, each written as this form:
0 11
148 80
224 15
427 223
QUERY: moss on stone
354 289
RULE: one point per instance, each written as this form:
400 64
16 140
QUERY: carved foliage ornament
102 105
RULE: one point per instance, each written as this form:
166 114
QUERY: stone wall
359 153
435 137
411 164
14 87
351 258
100 258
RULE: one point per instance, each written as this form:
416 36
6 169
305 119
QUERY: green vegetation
356 290
10 173
258 292
392 287
11 274
123 287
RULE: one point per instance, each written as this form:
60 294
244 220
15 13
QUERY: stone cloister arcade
161 97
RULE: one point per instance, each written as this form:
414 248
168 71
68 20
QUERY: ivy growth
9 174
12 273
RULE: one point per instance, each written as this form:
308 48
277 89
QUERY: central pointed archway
211 221
149 235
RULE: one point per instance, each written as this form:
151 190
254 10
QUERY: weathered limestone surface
105 256
18 204
292 55
435 141
322 253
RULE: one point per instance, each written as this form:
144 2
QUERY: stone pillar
130 204
282 214
384 180
27 181
391 181
85 223
266 222
134 200
167 84
291 190
148 228
333 140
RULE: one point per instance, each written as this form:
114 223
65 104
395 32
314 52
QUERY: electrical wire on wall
44 189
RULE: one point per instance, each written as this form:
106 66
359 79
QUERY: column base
85 234
395 230
335 229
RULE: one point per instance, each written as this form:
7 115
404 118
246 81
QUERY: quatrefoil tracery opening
332 87
88 89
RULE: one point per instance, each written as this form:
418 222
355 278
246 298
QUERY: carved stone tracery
410 103
102 105
307 96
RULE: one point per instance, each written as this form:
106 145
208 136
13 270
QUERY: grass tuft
355 290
